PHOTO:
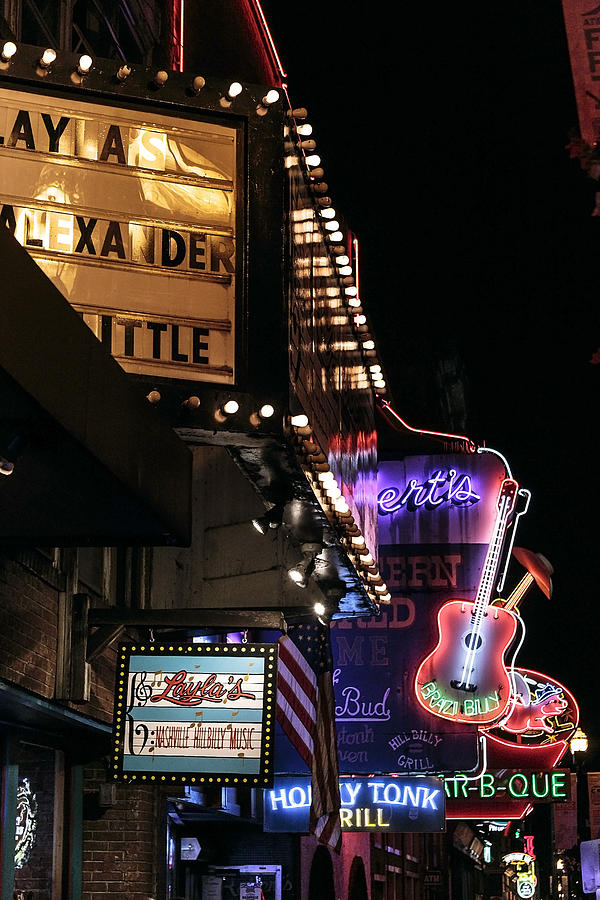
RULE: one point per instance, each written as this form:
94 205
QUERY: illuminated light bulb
381 588
6 466
375 368
358 541
198 83
328 213
270 97
342 260
346 270
335 236
313 160
299 421
234 90
351 291
333 491
319 609
333 225
341 506
85 64
326 476
385 598
47 58
160 78
123 73
379 384
360 320
366 559
305 130
8 51
368 345
231 407
266 411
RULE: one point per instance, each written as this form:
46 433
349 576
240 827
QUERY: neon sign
536 787
392 804
441 487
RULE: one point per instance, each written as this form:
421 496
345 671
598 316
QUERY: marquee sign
133 215
195 713
368 804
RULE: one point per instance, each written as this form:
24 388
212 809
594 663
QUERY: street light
578 743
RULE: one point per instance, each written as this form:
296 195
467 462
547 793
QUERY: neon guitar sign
465 678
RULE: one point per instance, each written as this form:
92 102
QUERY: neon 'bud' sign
441 487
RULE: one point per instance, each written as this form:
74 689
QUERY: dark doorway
320 885
357 882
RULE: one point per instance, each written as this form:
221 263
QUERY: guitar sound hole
476 643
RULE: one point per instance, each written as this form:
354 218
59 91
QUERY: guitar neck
520 591
492 559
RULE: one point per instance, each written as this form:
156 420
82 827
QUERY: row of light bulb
85 63
335 235
325 483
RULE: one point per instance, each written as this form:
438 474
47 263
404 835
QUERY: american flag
306 713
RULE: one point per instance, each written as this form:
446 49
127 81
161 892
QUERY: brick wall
121 856
28 617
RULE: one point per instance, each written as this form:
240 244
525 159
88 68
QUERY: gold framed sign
133 215
195 713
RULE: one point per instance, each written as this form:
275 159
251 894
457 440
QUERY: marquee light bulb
47 58
270 97
375 368
326 476
313 160
328 213
379 383
342 260
336 236
305 130
333 225
234 90
85 64
319 609
351 291
231 407
368 345
299 421
266 411
346 270
8 51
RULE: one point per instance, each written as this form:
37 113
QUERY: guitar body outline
486 691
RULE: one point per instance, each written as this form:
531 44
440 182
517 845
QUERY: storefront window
38 828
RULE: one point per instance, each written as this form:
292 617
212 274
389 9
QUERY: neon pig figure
458 492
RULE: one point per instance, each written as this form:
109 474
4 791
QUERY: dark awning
65 728
93 463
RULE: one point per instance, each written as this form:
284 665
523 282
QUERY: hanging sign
368 804
436 515
133 216
195 713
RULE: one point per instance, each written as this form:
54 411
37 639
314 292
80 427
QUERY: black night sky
443 131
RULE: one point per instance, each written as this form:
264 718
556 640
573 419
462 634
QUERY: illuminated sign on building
133 217
536 787
368 804
441 487
191 714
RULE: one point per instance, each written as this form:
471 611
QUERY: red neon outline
460 717
545 677
498 813
471 445
267 34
